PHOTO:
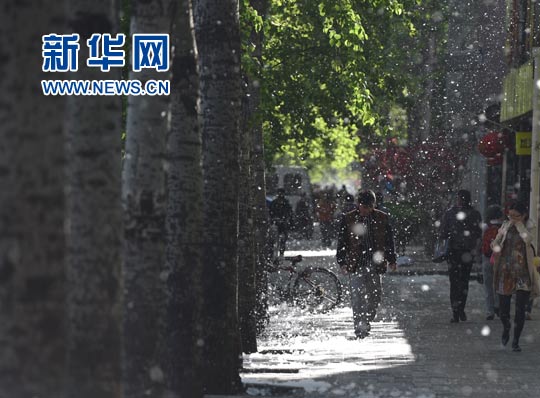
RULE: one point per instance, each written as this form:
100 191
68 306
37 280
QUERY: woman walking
514 270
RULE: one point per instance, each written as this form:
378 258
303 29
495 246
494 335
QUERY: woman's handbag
536 281
441 251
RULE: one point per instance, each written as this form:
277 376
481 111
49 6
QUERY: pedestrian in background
513 270
379 204
326 208
281 214
365 249
462 227
348 204
303 220
494 218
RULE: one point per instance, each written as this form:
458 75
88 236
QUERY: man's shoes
462 316
362 335
363 330
490 317
455 317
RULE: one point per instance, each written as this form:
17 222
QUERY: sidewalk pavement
413 350
416 261
413 262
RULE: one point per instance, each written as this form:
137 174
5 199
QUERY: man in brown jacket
365 250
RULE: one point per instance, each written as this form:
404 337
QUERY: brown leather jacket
350 244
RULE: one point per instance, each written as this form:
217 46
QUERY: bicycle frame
276 266
294 290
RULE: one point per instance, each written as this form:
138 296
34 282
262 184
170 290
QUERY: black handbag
441 251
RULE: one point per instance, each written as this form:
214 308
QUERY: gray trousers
366 293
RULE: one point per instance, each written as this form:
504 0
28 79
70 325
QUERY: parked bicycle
315 289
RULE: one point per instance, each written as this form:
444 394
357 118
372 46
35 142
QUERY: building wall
475 69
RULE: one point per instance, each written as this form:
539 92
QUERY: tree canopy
330 73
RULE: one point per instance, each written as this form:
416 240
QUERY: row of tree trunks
119 274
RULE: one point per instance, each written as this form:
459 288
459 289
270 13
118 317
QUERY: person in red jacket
494 217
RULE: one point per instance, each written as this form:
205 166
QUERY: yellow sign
523 143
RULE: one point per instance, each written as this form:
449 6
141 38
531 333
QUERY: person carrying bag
514 271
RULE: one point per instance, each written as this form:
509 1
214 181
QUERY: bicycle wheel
317 290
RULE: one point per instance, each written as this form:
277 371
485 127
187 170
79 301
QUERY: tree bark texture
8 195
32 206
184 216
258 184
144 275
218 42
246 248
94 219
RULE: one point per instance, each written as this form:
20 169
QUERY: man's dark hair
465 197
366 198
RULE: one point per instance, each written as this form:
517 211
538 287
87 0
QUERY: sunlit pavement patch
420 356
312 253
318 346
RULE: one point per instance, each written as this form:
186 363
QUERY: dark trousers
522 300
459 273
326 233
283 235
528 307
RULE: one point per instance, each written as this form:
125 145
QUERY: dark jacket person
281 215
462 226
365 249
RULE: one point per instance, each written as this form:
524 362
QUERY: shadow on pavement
413 350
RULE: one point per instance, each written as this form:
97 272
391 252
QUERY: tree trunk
218 42
32 206
9 141
184 216
258 185
246 253
252 295
143 198
94 220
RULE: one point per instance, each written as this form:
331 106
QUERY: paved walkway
413 350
